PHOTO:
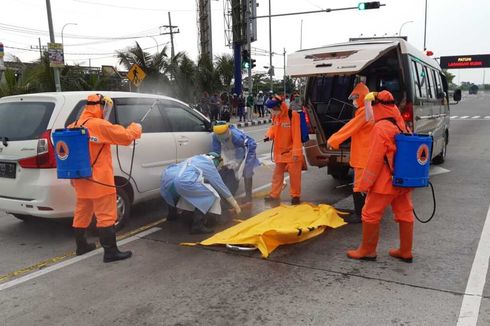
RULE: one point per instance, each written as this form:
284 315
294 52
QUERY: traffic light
368 5
252 61
245 59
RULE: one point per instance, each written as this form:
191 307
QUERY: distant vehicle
473 89
172 132
416 81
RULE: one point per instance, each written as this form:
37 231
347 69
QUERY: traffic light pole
249 48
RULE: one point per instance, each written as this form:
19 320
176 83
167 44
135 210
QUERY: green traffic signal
245 64
368 5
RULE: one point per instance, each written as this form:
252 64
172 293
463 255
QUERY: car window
181 118
127 110
24 120
75 113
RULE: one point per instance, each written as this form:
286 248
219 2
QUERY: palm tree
224 69
207 78
185 79
156 67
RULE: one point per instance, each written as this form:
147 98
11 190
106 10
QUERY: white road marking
72 261
487 117
464 117
470 308
454 116
476 117
435 170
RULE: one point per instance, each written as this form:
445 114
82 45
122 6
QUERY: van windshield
24 120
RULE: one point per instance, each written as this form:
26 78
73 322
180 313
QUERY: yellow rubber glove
371 96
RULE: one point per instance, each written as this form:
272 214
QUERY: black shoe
82 245
198 226
107 237
172 213
353 219
269 198
295 201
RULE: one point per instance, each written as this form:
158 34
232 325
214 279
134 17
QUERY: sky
453 28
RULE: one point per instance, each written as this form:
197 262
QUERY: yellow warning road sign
136 75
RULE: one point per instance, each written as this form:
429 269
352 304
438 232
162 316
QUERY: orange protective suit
93 198
359 130
377 182
288 150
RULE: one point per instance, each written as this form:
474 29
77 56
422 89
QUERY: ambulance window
430 82
182 119
415 76
127 110
422 75
437 79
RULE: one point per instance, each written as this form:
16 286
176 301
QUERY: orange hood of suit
102 134
377 175
286 135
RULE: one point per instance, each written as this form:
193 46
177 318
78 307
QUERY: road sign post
136 75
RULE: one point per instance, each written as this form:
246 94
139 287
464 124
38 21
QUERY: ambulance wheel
123 208
439 159
339 172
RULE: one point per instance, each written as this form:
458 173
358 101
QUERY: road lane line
464 117
72 261
470 308
454 116
487 117
475 117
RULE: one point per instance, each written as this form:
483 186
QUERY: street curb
253 123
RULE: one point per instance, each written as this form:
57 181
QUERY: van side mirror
457 95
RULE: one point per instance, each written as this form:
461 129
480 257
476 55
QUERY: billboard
465 61
55 54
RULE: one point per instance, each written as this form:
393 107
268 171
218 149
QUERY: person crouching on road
196 185
359 129
377 182
235 146
288 150
98 194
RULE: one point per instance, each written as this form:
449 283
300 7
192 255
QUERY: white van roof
347 58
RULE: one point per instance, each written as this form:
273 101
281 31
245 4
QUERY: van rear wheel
439 159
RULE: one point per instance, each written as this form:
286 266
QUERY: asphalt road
312 283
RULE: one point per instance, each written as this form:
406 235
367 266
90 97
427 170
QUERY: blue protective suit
186 179
244 147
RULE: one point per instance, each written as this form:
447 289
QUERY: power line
134 8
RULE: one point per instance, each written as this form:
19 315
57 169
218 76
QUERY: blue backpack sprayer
73 155
412 163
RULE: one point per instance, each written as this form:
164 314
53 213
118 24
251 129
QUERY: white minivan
415 80
172 132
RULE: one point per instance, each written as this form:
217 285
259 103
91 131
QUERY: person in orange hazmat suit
288 150
377 182
97 195
359 130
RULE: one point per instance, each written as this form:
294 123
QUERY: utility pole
56 71
271 68
301 36
171 36
248 32
40 48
